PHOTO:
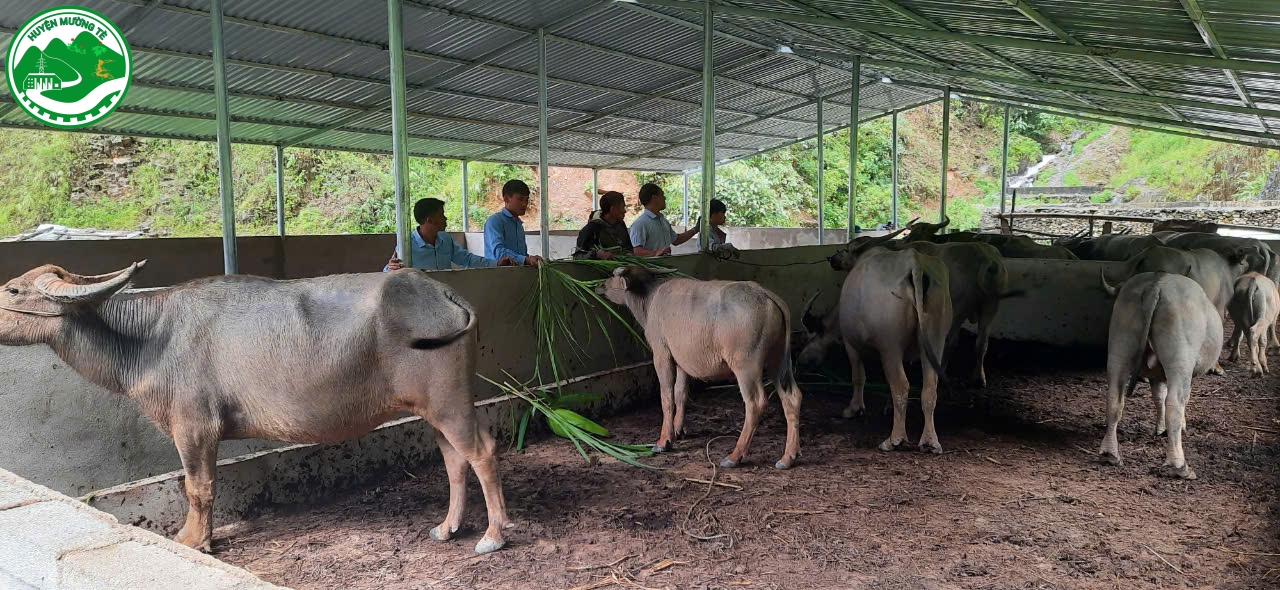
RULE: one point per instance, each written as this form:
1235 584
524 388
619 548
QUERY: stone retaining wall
1252 213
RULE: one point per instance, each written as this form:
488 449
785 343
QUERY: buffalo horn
61 290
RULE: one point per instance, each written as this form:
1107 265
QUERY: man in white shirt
651 233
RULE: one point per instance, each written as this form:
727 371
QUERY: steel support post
1004 161
684 205
708 123
280 190
821 166
544 184
893 156
399 143
946 145
226 192
466 214
853 145
595 189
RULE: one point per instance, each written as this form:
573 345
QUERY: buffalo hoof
440 533
487 545
1110 458
660 449
852 413
1255 372
1158 431
931 446
785 463
1217 370
728 463
1185 472
890 444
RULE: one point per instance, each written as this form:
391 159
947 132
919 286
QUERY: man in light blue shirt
651 233
432 247
503 231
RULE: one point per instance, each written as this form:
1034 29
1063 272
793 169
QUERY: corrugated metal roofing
625 77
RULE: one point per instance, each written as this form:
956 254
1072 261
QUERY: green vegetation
1102 197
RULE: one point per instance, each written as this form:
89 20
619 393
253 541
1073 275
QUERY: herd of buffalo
206 360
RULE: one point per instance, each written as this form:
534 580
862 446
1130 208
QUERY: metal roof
625 80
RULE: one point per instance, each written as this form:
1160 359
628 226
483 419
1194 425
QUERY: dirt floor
1016 501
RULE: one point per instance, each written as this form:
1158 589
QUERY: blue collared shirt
504 236
442 254
651 231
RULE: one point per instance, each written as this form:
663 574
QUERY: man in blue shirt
503 231
651 233
431 245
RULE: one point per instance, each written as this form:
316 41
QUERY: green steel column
893 155
466 215
280 190
946 145
854 95
399 143
684 206
708 122
544 185
821 167
595 189
226 192
1004 161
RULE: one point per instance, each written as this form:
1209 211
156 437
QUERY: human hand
665 251
394 263
533 261
506 261
605 255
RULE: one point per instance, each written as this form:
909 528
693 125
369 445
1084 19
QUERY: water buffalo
1253 308
1113 247
1164 328
1008 246
1257 255
896 304
305 361
977 280
1213 272
718 330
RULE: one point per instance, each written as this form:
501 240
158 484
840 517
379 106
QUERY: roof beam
437 57
1153 99
1201 21
874 37
1181 59
1047 23
1267 137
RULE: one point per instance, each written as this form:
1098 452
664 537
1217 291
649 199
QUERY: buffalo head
31 305
820 333
633 279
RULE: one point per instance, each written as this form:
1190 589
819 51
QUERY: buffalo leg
1258 349
1237 334
1110 451
681 394
1159 393
985 323
1175 412
666 368
898 388
754 399
857 403
199 454
456 465
463 433
928 402
791 398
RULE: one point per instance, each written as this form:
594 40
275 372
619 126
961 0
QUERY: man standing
605 235
503 231
432 247
651 233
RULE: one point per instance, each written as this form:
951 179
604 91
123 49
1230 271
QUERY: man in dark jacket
606 234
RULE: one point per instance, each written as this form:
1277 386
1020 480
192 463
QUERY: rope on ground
711 484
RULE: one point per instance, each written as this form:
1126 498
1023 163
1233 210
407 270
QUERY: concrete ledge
48 540
303 474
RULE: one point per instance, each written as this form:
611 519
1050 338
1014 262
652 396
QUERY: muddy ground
1016 501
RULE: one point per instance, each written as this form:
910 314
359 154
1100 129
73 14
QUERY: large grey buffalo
1253 308
977 280
1008 246
1113 247
895 304
306 361
1164 328
718 330
1258 256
